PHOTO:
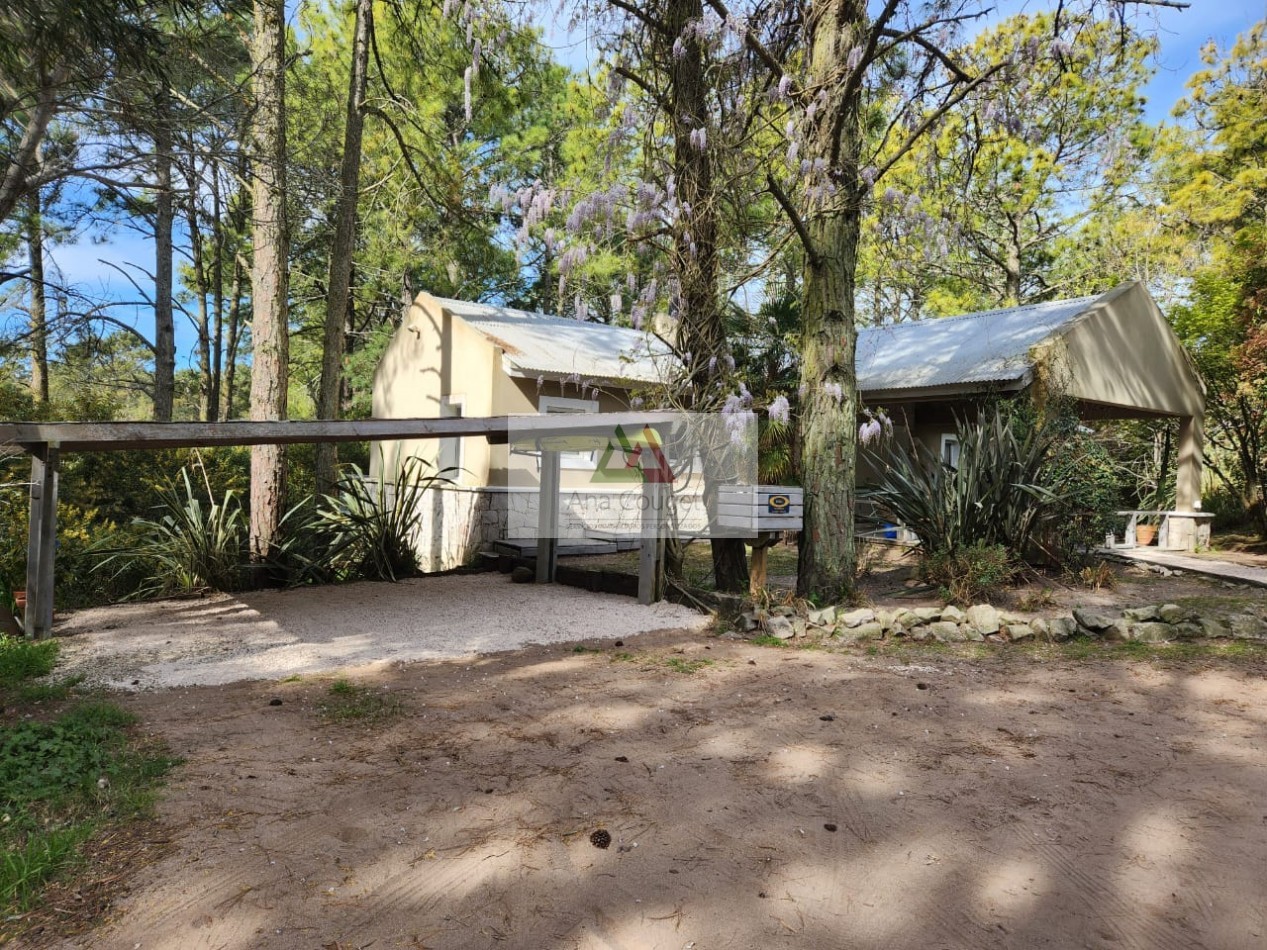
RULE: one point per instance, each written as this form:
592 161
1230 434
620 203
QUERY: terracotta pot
19 598
1145 534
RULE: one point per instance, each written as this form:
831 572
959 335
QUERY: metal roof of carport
990 349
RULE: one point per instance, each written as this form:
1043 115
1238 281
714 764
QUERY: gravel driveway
224 638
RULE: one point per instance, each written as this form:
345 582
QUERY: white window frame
566 404
454 443
950 441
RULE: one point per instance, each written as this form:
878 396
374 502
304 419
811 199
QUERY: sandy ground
771 798
225 638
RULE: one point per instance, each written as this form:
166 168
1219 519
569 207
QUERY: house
453 358
1113 354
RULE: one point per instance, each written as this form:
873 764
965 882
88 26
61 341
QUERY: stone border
982 622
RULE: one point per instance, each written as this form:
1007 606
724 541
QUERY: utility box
753 509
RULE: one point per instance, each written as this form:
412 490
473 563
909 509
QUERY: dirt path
770 798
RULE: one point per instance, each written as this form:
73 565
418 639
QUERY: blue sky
1182 34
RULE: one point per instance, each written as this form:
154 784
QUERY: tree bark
829 407
164 324
341 251
694 253
269 284
39 309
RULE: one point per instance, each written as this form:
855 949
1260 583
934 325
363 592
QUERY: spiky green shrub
997 495
195 542
367 528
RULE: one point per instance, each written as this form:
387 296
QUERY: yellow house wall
432 355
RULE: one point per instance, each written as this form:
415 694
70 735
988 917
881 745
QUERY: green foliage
194 543
367 529
1085 509
996 496
971 573
25 659
60 781
348 702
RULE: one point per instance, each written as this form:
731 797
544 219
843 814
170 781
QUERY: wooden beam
548 517
122 436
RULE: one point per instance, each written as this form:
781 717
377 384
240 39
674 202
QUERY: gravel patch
271 635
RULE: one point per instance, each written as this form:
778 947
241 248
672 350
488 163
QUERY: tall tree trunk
39 309
328 391
217 298
829 407
164 324
694 255
269 285
198 270
234 321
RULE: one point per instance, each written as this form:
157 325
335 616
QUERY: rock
1187 631
1061 628
1092 619
523 575
884 618
747 622
1171 613
952 614
856 618
896 630
1040 628
1246 627
970 632
1155 632
1018 631
864 631
799 627
1213 627
918 633
783 611
944 631
1118 631
779 627
907 618
1142 614
823 618
983 619
927 614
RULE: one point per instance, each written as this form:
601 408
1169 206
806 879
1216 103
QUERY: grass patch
765 640
347 702
25 659
679 665
61 782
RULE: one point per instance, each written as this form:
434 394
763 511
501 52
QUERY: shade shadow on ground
769 798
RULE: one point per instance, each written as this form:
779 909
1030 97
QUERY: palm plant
192 544
995 496
367 528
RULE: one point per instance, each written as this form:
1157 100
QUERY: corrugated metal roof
991 347
539 344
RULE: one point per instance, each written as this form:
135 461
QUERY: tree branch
798 223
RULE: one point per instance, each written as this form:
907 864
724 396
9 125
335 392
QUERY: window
450 454
950 451
560 404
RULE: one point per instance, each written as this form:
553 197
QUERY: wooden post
548 518
651 549
757 565
41 542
